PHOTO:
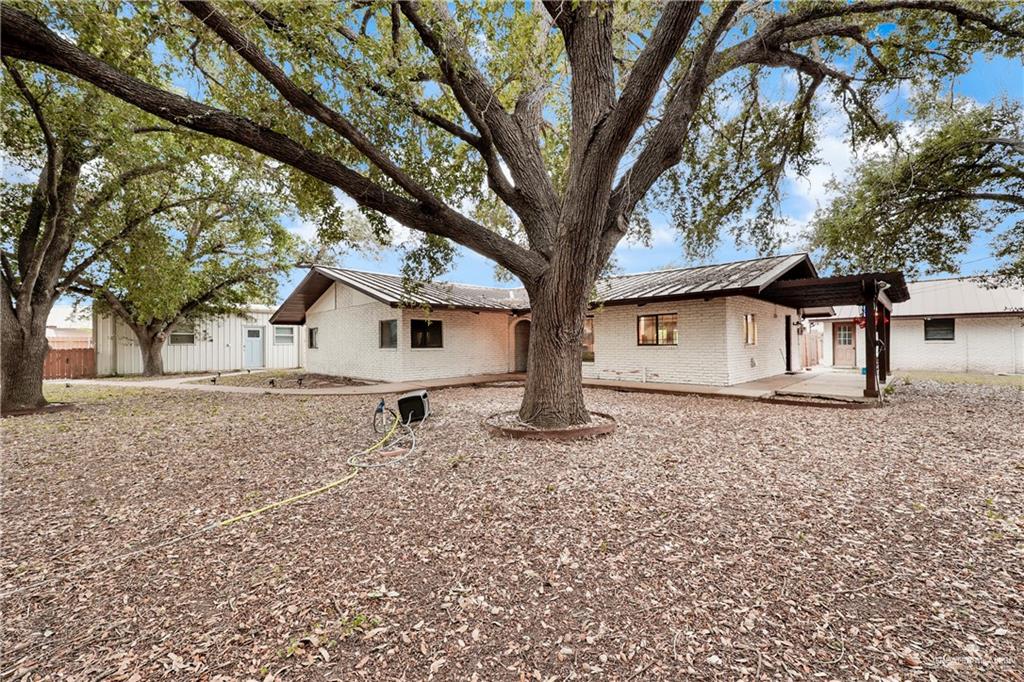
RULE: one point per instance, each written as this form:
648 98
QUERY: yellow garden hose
316 491
216 524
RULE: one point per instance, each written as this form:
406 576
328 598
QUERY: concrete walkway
821 383
197 382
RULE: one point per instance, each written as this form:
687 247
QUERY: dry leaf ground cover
707 537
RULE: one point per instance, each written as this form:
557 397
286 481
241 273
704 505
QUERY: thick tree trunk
151 344
22 354
23 358
554 379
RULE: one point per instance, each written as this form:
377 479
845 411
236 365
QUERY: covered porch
875 293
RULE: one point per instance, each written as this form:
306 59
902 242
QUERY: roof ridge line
709 265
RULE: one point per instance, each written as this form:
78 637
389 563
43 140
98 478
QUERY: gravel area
706 537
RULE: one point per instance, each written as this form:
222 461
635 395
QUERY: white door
253 347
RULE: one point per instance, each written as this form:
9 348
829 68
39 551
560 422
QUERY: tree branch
25 38
302 100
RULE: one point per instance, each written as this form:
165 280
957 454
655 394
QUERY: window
426 334
844 334
183 335
389 333
656 330
942 329
750 329
314 337
588 339
284 336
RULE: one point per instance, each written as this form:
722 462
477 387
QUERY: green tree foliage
84 172
215 253
578 117
957 173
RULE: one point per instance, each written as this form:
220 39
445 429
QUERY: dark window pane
647 330
940 330
657 330
426 334
313 334
389 333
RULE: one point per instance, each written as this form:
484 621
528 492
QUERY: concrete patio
819 384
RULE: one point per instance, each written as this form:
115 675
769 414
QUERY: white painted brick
982 344
349 343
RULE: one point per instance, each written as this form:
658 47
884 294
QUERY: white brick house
948 325
716 325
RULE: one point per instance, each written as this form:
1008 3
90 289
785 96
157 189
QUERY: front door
844 344
253 347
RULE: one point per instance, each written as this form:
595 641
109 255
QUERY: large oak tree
73 155
918 205
214 255
576 117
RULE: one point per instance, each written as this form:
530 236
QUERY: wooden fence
811 348
70 363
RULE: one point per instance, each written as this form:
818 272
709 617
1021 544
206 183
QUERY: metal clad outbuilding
219 345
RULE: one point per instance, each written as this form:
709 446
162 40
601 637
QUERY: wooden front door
844 344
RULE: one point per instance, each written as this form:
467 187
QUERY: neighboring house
68 337
228 342
948 325
719 324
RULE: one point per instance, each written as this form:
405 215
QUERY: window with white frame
314 337
284 336
183 335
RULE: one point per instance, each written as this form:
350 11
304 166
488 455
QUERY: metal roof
390 289
740 277
749 277
958 296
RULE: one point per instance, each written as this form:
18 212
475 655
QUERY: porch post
883 353
870 341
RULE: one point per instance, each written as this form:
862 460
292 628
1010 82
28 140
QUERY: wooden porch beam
870 340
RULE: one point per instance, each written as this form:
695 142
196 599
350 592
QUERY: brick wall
982 344
474 343
348 324
349 340
768 356
711 348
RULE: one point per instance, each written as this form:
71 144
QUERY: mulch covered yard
707 536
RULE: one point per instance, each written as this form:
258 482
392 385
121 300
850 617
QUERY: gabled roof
749 277
736 278
389 289
954 296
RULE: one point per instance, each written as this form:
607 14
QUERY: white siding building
218 344
714 325
948 325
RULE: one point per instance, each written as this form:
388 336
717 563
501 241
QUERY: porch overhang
875 291
821 292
